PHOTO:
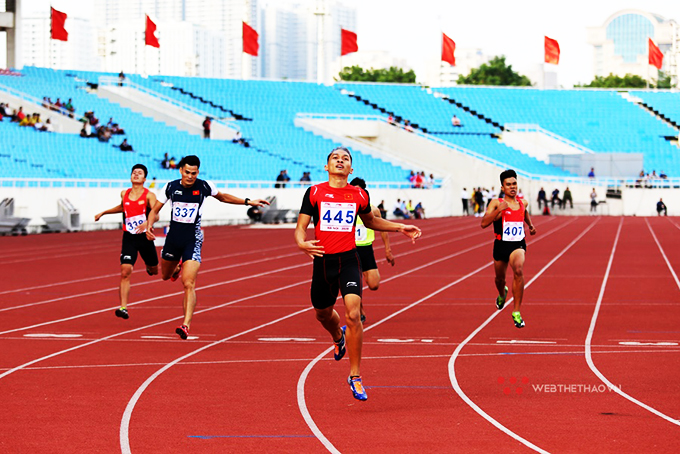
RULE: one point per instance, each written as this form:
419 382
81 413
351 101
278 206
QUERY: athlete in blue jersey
182 250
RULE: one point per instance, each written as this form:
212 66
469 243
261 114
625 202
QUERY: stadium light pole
320 13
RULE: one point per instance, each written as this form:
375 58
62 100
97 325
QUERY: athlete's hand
532 230
141 227
97 216
502 206
389 257
311 249
257 202
149 234
411 231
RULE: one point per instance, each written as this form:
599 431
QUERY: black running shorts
503 249
137 243
332 273
367 257
176 249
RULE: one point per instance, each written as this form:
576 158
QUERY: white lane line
456 353
519 341
675 276
589 338
302 403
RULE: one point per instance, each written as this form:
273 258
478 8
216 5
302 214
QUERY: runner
364 240
334 207
182 250
508 216
135 204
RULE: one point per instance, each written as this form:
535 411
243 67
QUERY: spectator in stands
465 196
660 206
38 125
407 126
281 179
124 146
410 208
153 183
566 197
419 180
662 175
115 129
173 163
479 203
165 163
27 121
593 201
306 179
46 102
455 122
58 106
383 211
412 178
429 183
591 174
6 111
390 119
86 131
17 117
206 127
398 211
541 198
104 134
110 123
487 196
121 79
69 107
237 137
419 211
555 199
48 126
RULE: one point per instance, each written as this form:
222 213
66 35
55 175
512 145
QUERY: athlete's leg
372 279
355 332
168 268
330 320
517 264
500 268
152 270
125 273
189 273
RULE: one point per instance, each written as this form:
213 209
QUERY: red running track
73 378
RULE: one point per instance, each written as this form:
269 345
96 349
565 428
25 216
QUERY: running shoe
517 318
182 331
357 387
177 272
500 300
340 346
122 313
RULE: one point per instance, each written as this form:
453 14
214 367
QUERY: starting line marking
665 344
286 339
515 341
66 336
404 341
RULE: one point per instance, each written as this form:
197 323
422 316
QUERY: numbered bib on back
184 212
337 217
133 222
361 233
513 231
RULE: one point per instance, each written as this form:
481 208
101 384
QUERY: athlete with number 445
182 250
508 216
334 207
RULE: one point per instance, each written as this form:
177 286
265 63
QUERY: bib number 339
513 231
337 217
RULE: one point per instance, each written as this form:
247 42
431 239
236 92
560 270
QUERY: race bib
513 231
184 212
361 233
337 217
132 223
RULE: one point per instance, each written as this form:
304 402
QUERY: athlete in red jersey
135 204
508 216
334 207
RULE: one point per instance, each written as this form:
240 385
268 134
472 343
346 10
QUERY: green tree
391 75
496 72
664 80
612 81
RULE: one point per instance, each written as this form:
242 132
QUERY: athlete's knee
518 272
125 272
353 315
324 315
373 285
152 270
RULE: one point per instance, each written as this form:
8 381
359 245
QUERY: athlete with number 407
334 207
508 216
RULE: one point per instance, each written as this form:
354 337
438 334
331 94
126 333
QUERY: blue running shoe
357 387
340 346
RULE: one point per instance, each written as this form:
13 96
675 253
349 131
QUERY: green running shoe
500 301
517 318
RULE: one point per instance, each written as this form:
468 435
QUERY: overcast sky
410 29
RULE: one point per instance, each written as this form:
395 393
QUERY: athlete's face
510 186
340 163
189 174
137 176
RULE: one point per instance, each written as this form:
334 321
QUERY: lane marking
656 240
648 343
286 339
516 341
52 335
591 330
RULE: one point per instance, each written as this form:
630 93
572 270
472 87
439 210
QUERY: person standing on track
508 216
136 203
182 251
364 238
334 207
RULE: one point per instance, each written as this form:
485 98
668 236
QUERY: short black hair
140 166
339 148
359 182
508 174
191 160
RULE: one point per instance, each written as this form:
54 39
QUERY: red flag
58 21
349 42
655 55
250 37
448 48
150 38
552 51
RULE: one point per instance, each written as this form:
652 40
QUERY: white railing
517 127
111 81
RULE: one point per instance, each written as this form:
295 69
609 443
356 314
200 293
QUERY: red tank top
510 227
134 211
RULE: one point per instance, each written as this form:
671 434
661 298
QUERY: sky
410 29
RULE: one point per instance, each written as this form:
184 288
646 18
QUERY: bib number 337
184 212
337 217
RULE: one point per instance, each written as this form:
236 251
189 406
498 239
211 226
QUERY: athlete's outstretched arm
527 219
117 209
492 212
386 239
308 247
153 217
383 225
228 198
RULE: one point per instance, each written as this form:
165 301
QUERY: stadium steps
659 115
471 111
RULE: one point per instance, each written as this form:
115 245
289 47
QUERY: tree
496 72
612 81
391 75
664 80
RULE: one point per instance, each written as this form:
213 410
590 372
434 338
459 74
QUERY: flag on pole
448 49
250 37
655 55
150 34
552 51
58 21
349 42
